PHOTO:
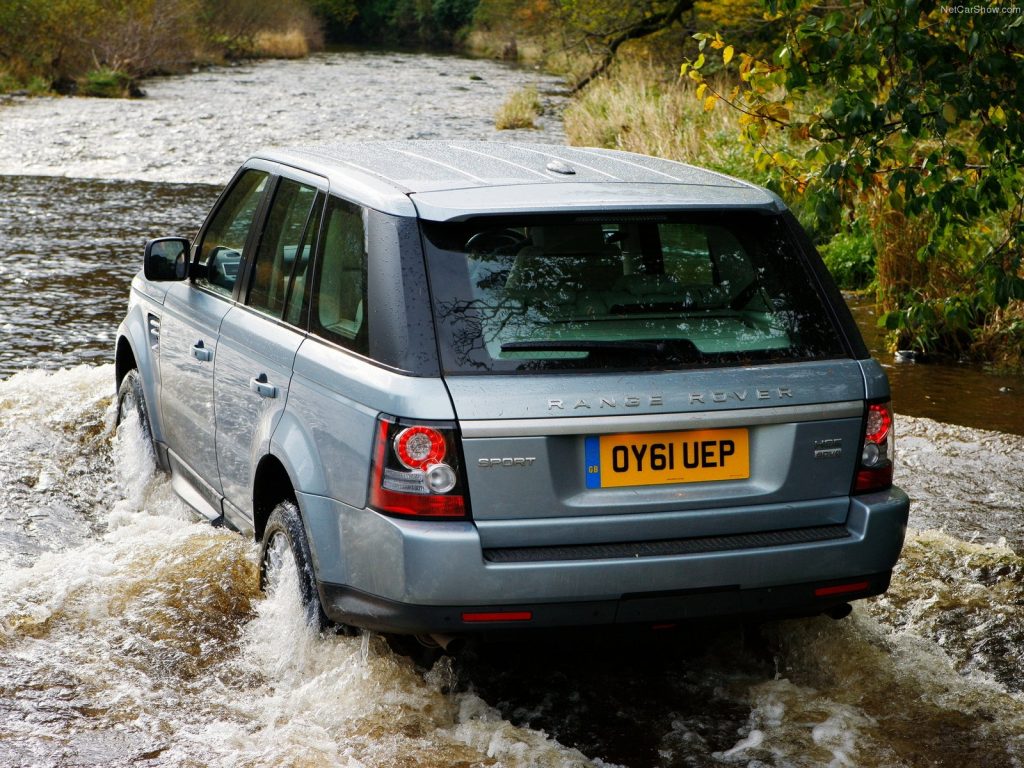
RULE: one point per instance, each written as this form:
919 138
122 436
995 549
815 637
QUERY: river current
132 635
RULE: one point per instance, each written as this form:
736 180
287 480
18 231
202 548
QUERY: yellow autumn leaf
727 54
709 103
777 112
682 69
701 89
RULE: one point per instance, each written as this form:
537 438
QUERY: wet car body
519 386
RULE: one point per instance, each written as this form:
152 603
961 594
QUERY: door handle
200 352
262 387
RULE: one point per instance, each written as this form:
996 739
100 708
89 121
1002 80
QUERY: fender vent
668 548
153 326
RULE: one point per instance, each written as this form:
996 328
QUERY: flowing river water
132 635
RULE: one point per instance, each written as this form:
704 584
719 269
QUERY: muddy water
132 635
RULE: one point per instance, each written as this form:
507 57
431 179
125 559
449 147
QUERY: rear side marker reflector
477 618
841 589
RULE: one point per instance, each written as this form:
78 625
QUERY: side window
705 254
284 250
298 292
686 254
221 249
339 310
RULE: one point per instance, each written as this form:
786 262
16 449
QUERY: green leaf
797 78
891 321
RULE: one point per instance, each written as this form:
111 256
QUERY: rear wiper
557 345
578 345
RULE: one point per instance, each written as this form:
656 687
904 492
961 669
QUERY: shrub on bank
33 86
108 84
850 257
1001 340
99 48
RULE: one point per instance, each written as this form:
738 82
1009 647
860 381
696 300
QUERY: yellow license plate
656 458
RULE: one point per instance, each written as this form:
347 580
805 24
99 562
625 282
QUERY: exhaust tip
452 645
838 612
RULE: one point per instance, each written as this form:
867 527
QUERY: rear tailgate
568 459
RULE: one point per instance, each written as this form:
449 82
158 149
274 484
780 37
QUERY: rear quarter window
339 306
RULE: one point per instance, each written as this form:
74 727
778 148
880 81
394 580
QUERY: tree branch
612 42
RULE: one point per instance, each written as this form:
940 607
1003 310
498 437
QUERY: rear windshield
623 293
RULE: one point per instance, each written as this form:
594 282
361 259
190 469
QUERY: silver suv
472 386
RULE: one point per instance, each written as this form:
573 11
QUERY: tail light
874 473
416 470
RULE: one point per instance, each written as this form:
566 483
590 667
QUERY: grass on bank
647 109
290 44
520 110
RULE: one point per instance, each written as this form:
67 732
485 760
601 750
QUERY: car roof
450 180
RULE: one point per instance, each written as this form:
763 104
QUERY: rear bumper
373 612
410 576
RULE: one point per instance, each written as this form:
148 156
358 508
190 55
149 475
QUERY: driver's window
221 249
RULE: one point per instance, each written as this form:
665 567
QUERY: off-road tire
131 397
285 528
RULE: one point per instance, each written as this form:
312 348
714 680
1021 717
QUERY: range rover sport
473 386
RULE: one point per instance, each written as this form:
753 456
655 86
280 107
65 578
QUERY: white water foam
143 639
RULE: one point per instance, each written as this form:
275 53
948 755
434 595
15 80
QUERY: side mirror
167 258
